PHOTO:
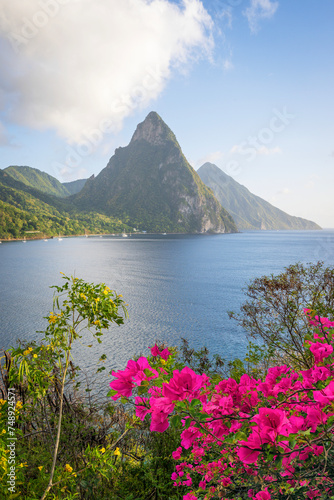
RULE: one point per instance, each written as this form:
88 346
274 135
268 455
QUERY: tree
274 314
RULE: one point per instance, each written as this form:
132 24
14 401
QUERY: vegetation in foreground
71 444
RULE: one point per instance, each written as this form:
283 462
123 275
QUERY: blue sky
245 84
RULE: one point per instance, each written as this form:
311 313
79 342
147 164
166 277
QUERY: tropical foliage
178 424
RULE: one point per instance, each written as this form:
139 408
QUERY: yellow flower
163 361
52 318
117 452
83 296
103 450
68 468
19 405
120 295
30 349
25 353
24 464
2 402
97 300
40 467
35 356
97 322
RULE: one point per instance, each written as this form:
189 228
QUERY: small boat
164 234
124 235
59 237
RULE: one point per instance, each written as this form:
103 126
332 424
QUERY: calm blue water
176 286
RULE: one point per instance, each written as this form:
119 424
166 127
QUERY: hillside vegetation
27 212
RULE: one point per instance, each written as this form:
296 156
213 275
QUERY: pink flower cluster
283 424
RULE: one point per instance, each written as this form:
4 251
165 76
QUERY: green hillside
39 180
27 212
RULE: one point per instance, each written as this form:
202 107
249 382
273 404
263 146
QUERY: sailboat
59 238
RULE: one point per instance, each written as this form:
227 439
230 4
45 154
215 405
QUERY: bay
176 285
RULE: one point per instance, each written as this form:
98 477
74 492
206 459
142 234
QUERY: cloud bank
258 10
76 66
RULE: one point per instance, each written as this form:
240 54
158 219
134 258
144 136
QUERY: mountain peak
153 130
248 210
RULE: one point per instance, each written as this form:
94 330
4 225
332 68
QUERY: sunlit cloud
79 66
259 10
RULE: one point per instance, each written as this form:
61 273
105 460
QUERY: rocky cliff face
150 185
248 210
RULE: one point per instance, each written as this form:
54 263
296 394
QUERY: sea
176 286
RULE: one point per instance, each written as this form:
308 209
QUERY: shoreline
161 234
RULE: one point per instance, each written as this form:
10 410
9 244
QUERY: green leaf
194 403
176 420
111 393
142 389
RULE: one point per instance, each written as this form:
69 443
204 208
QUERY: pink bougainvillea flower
262 495
189 496
142 365
314 493
123 385
188 436
156 352
177 453
320 351
315 417
183 384
271 419
161 408
325 396
248 455
133 374
142 407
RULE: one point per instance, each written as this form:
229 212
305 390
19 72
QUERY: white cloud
258 10
228 65
72 64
